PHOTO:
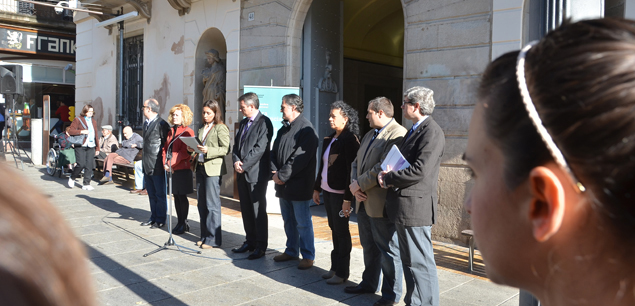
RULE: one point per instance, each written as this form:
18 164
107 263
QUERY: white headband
535 118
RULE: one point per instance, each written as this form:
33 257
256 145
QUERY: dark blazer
412 198
293 158
154 136
341 156
255 151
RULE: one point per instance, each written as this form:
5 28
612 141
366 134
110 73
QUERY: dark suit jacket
153 140
412 198
341 156
255 151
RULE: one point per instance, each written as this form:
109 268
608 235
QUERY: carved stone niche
182 6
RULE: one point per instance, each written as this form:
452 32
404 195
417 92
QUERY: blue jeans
138 175
156 187
419 268
298 226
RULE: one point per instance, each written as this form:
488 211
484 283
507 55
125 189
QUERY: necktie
370 143
409 133
242 138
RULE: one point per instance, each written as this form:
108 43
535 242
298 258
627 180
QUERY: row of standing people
396 209
164 151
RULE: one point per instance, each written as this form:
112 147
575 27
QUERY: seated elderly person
107 142
124 155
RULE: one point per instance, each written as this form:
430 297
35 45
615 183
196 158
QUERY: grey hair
293 99
422 96
250 98
154 105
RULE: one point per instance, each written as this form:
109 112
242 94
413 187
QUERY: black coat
412 199
154 136
293 158
254 152
341 156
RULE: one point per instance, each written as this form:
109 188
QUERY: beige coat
217 144
365 170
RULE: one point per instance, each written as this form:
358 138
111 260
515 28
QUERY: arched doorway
212 39
356 47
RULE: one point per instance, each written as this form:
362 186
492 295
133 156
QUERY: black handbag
78 140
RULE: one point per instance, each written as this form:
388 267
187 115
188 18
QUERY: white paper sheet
191 142
395 160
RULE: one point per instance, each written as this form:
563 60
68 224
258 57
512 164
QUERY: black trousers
253 206
209 207
342 245
85 158
182 207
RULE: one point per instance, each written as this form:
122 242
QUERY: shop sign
17 40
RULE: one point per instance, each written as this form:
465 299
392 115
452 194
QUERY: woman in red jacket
177 158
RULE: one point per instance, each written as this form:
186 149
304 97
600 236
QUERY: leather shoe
158 225
179 229
357 289
244 248
135 191
283 257
143 192
258 252
383 302
305 264
335 280
147 223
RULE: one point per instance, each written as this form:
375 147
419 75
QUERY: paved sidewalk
107 221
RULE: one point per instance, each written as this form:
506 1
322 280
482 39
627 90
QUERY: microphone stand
170 241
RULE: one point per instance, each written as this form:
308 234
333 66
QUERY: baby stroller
56 159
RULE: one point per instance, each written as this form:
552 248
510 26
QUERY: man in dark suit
411 201
251 161
377 233
155 131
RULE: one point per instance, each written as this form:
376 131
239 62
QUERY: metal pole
120 84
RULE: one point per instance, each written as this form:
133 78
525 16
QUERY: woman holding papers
209 165
338 152
177 159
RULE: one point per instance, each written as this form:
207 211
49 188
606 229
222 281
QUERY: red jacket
180 155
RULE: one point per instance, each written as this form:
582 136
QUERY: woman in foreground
552 149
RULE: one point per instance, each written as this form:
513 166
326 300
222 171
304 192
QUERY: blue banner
270 98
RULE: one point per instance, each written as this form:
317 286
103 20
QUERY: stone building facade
374 47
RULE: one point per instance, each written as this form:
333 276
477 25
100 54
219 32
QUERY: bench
470 240
99 164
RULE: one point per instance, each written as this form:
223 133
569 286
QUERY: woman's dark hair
348 112
581 78
215 107
85 110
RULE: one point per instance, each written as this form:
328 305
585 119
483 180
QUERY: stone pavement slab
107 220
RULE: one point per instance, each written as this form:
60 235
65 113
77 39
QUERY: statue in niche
326 83
214 78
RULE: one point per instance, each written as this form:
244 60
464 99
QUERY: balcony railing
17 7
